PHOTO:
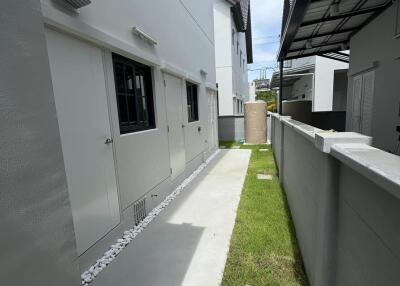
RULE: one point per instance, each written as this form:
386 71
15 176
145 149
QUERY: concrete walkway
187 244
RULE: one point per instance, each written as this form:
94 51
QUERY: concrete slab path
187 244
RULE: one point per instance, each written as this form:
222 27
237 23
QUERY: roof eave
249 40
295 18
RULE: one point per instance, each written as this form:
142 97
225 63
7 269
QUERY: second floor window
192 102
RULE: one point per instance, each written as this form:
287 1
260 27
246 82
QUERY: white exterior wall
373 48
324 77
231 74
304 86
184 33
318 88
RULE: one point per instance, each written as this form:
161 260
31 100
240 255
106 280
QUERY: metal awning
290 76
318 27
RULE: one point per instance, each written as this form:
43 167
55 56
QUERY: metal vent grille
139 209
78 3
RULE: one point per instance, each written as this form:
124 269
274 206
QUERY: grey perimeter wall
343 196
231 128
37 241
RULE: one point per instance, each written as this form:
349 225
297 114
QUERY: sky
266 17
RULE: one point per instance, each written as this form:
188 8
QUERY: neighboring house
262 84
316 79
233 51
371 30
108 106
258 85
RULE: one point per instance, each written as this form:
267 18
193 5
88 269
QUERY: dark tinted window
192 102
133 86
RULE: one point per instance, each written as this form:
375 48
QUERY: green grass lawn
263 248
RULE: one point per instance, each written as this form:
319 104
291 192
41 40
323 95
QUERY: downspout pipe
280 85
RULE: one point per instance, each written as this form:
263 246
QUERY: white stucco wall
231 74
373 48
184 33
304 86
324 78
37 233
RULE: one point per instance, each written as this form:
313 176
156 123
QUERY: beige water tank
255 122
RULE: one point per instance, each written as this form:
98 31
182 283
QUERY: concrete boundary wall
231 127
343 196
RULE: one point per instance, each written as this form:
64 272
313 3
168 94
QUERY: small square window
133 87
192 102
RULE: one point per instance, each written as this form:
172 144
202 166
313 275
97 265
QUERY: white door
82 113
367 102
212 119
356 104
362 104
176 139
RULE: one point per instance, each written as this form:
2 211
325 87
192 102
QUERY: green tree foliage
270 97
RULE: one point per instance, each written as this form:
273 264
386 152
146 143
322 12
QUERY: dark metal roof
290 76
242 19
317 27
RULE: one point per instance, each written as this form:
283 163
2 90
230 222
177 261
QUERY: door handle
108 141
183 125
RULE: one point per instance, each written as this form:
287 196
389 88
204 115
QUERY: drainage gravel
89 275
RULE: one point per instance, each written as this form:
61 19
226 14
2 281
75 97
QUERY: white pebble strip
89 275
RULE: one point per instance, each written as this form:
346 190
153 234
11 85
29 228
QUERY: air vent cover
78 3
139 209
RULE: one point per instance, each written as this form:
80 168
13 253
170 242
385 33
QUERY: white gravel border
129 235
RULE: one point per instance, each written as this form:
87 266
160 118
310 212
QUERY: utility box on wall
255 122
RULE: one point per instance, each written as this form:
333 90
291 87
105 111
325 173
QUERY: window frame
145 118
192 102
397 21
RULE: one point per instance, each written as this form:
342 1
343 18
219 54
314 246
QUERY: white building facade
233 52
132 91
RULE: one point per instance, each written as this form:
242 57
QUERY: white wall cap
303 129
376 165
325 139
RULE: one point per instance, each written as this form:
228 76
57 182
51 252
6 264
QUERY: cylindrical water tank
255 122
